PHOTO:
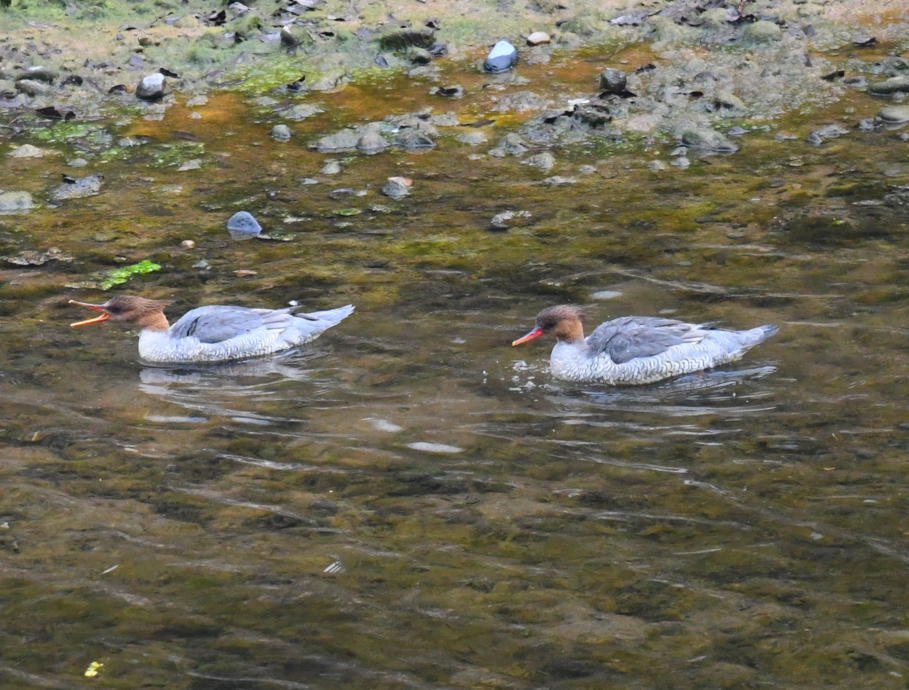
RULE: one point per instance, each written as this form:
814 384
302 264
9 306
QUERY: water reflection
233 390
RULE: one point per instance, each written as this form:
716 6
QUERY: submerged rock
371 143
242 226
29 257
397 187
301 112
281 133
345 140
78 188
704 139
893 85
412 139
500 220
819 136
544 161
26 151
502 58
15 202
894 114
151 88
472 138
511 144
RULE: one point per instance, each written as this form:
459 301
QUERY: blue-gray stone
242 226
502 58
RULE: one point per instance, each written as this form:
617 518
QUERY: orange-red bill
98 319
97 307
535 333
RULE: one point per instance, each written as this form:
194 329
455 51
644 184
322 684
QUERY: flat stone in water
15 202
544 161
705 139
371 143
819 136
606 294
427 447
383 425
26 151
242 226
32 258
412 140
397 187
890 86
301 111
472 138
193 164
513 144
345 140
330 168
78 189
894 114
281 133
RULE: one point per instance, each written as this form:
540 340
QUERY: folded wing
631 337
216 324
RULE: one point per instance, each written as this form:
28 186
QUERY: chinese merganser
637 349
215 333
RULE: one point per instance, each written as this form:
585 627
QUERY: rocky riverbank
703 66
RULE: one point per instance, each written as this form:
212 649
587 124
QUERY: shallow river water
411 502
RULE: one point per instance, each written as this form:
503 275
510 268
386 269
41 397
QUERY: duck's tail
312 324
757 335
332 316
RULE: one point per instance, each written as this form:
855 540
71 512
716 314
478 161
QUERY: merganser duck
215 333
637 349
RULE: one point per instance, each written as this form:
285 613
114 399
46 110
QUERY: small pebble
188 244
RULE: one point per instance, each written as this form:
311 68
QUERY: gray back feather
631 337
217 324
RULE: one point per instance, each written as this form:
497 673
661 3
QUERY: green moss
120 275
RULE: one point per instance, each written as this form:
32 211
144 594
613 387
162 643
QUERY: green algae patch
64 131
120 275
277 72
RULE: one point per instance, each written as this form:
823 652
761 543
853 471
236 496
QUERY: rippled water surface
413 503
